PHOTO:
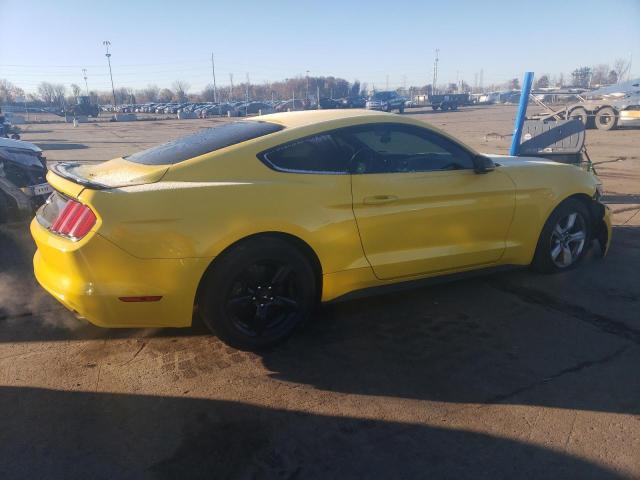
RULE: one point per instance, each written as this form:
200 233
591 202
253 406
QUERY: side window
317 154
386 148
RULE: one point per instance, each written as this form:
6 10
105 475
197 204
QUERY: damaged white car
23 186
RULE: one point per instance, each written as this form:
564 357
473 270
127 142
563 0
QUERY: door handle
379 199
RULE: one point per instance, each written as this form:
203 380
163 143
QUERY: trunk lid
72 178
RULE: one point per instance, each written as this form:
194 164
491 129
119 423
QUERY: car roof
310 117
329 119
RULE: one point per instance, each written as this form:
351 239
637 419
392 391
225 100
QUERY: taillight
75 220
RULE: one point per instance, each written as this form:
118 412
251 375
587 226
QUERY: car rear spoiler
65 170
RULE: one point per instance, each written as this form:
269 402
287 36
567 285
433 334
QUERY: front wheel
564 238
256 294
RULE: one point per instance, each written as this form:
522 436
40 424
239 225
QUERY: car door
419 205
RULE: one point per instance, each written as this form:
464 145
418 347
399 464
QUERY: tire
444 107
256 294
565 238
434 107
401 109
606 119
454 106
579 113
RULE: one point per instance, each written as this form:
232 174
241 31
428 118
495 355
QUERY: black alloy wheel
256 294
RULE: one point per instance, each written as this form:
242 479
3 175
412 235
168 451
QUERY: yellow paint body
159 237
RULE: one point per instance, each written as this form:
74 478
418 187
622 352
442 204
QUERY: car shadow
62 434
62 146
622 198
484 340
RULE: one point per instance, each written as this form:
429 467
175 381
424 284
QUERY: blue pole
522 113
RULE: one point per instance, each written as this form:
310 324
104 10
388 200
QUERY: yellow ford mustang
253 222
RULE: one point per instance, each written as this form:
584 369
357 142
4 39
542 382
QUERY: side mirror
483 164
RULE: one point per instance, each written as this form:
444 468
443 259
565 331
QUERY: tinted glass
387 148
317 154
382 96
202 142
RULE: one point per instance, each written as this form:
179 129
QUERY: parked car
23 186
449 101
329 103
353 102
386 101
290 105
251 223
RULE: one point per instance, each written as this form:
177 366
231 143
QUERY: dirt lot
513 375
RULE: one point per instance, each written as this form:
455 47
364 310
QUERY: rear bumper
89 276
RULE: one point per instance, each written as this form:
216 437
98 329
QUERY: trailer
604 109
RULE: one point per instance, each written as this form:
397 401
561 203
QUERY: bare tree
599 75
59 91
180 87
150 93
542 81
621 67
9 92
46 92
581 77
75 90
165 95
207 94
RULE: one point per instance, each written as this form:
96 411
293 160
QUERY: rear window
204 141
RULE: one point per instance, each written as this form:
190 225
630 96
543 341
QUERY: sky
381 43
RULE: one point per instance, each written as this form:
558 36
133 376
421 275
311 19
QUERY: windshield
204 141
381 96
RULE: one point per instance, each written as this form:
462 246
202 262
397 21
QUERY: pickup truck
386 101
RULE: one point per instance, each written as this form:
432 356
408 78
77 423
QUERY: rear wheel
256 294
401 109
606 119
579 114
434 107
564 238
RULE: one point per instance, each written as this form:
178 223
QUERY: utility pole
387 84
481 75
435 72
107 43
213 72
246 105
86 85
231 87
307 85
